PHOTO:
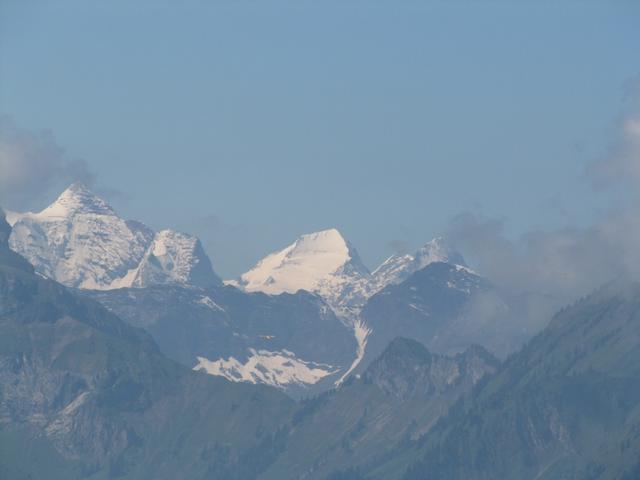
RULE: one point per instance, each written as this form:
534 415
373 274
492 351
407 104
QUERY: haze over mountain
164 282
93 373
566 406
304 319
87 396
398 268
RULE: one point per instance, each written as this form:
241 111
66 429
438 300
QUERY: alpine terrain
303 319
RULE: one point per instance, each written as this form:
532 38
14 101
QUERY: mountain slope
173 258
567 406
85 395
80 241
292 341
397 399
426 307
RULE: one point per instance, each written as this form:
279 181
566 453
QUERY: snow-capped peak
321 262
77 199
397 268
175 257
80 241
303 265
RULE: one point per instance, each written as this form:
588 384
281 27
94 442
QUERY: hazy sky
249 123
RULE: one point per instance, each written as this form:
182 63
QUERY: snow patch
280 369
208 302
361 333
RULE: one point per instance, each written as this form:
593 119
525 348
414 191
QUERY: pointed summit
80 241
320 262
77 199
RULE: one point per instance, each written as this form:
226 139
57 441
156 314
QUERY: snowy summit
325 263
321 262
80 241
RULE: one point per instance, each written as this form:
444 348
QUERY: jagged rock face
80 241
407 368
175 258
398 268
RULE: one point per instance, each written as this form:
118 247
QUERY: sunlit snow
279 369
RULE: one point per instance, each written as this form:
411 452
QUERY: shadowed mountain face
397 399
86 395
292 341
427 307
567 406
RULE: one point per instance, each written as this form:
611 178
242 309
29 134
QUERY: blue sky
249 123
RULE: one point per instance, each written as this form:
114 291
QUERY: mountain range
299 320
81 242
86 395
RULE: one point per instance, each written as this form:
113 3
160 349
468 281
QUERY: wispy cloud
621 166
33 164
553 267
